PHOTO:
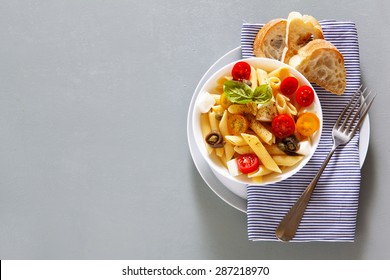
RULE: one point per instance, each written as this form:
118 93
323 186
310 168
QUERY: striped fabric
331 213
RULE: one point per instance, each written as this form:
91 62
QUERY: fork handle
288 226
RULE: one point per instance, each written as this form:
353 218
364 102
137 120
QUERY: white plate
208 176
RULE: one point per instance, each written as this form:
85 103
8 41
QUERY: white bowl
238 184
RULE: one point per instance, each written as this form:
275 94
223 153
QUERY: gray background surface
94 159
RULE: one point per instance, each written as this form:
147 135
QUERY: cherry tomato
241 71
237 124
308 123
304 96
225 103
248 163
282 126
289 85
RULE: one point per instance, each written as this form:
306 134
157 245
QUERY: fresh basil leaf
240 93
237 92
262 94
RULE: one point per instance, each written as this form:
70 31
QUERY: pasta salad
258 122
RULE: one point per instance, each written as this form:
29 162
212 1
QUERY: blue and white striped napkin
332 210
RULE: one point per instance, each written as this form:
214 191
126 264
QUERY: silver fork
343 131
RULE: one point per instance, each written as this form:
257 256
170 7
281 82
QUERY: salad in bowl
256 121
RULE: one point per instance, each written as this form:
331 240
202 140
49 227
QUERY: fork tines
359 105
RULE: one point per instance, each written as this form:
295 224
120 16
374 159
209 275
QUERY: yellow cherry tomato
237 124
307 124
224 102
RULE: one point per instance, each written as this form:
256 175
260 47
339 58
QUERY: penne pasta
285 160
274 150
220 152
239 109
223 79
223 128
220 82
242 150
284 106
262 171
274 82
281 73
263 133
253 78
259 149
257 180
205 126
217 98
214 123
218 110
235 140
262 76
229 151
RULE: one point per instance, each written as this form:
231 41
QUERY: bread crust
299 41
322 63
273 30
300 30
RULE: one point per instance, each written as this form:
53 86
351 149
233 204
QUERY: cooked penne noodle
273 140
229 151
253 78
285 160
253 108
217 98
220 82
274 150
239 109
218 110
220 152
259 149
242 150
274 82
261 131
223 128
284 106
235 140
281 73
223 79
262 76
257 180
205 126
218 90
262 171
214 123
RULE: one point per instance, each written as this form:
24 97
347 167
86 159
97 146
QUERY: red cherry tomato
304 96
248 163
289 85
282 126
241 71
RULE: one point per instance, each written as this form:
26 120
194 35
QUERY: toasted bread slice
300 30
270 41
321 63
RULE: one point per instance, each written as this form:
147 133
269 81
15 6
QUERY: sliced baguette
321 63
270 41
300 30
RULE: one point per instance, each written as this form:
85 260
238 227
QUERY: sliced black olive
289 145
215 139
